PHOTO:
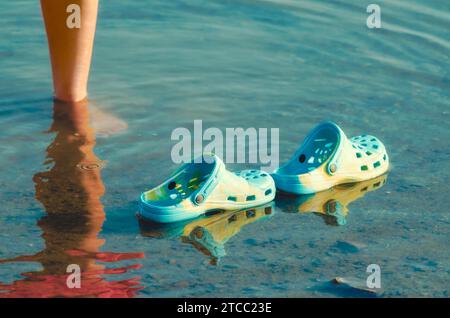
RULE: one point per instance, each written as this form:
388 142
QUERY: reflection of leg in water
70 192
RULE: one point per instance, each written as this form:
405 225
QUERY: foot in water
104 123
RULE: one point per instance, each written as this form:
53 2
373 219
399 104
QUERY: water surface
70 197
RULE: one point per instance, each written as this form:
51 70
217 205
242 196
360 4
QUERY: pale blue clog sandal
198 188
328 158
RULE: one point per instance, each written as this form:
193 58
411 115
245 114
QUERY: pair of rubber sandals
325 159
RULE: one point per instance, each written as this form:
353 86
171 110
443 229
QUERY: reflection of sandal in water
156 230
327 158
332 204
198 188
209 235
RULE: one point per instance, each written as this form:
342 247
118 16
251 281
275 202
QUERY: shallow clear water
70 198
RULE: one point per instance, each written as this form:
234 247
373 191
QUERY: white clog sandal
198 188
327 158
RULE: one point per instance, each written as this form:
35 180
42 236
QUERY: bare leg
70 55
70 49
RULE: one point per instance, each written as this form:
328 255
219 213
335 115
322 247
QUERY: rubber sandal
328 158
333 203
209 235
198 188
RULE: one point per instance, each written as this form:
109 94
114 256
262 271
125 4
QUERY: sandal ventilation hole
376 164
231 198
251 198
358 155
172 185
268 191
364 168
302 158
